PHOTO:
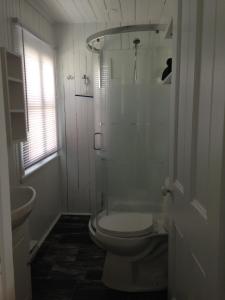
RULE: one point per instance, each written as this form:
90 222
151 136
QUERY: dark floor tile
51 284
70 227
94 274
53 295
68 270
90 289
75 237
69 266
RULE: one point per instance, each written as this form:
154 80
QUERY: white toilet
137 250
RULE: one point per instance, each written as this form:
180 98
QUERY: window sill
39 165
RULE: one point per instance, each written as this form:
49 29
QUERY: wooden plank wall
29 15
75 60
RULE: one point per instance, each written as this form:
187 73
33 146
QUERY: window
40 93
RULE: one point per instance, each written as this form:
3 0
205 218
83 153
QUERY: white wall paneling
74 60
105 11
29 15
80 183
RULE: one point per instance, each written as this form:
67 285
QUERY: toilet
137 250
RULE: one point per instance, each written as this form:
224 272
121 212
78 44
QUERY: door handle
94 144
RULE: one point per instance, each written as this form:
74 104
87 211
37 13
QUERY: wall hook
69 77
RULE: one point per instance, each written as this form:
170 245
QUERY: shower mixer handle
165 191
167 188
94 141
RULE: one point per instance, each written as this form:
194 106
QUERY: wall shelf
14 65
84 96
12 76
18 127
15 79
16 95
20 111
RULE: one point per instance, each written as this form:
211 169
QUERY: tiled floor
69 266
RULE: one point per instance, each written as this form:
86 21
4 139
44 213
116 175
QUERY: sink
22 203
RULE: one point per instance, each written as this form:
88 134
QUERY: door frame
7 288
174 94
217 178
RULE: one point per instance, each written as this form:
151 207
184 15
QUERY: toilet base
146 274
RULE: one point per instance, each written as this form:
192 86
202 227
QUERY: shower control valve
166 191
86 79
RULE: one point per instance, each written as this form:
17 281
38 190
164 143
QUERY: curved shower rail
122 29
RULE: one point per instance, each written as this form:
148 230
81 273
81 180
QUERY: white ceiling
104 11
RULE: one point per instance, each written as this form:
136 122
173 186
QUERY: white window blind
41 108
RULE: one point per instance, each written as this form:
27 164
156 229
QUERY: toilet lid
126 224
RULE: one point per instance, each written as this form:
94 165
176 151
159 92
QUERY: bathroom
112 149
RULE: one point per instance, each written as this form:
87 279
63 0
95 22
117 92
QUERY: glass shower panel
132 116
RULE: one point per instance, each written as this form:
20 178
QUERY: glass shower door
98 138
131 123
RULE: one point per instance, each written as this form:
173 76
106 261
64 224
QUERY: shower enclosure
131 118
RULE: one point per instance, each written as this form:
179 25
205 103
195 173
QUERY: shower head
136 42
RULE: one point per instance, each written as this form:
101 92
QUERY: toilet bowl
137 251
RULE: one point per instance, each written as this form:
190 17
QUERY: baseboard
33 244
75 214
41 241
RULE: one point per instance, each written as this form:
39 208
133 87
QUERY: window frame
26 172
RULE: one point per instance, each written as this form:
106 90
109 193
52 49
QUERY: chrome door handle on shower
94 145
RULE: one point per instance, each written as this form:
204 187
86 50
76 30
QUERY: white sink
22 203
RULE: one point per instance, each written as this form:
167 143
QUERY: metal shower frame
121 29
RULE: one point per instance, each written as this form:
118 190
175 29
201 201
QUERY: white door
197 259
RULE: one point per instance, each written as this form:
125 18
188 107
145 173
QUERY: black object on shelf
85 96
168 69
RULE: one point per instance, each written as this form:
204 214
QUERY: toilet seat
125 224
